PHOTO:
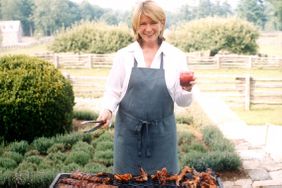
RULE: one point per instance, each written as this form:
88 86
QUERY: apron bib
145 128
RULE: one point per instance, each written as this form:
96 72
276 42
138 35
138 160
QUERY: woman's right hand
105 115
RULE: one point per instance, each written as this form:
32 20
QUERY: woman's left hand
106 116
189 86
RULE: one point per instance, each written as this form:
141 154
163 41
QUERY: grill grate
131 184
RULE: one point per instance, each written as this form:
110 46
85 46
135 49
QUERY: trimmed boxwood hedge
35 99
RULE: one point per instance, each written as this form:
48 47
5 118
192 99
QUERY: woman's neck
149 52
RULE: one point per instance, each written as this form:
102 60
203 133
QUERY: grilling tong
99 124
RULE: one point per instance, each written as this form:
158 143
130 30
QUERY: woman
144 85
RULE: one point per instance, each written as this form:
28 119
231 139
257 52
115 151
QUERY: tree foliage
253 11
51 15
46 17
277 7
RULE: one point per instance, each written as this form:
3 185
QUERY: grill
61 179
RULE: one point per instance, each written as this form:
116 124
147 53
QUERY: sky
169 5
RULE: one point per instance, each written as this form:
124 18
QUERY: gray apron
145 128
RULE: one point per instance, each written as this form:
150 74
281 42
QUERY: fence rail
243 91
197 62
237 91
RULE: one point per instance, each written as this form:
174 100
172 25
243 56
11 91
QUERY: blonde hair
151 9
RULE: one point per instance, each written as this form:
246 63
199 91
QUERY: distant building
11 32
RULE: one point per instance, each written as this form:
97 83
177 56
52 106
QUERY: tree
89 12
51 15
204 9
222 10
253 11
277 7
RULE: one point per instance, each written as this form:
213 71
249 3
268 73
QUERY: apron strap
161 64
139 127
135 62
162 59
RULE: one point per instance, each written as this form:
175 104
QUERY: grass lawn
257 73
40 48
87 72
261 115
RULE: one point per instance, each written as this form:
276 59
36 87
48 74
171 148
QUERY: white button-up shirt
174 61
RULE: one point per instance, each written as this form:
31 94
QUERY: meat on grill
188 177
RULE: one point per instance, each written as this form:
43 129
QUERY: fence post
56 61
250 62
247 92
89 61
218 62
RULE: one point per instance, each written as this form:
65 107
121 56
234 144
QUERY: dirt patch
234 175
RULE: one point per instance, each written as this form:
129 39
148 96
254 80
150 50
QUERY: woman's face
149 30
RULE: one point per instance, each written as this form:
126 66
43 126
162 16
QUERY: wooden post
247 92
89 61
218 62
250 63
56 61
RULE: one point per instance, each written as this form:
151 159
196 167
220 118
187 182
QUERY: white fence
197 62
239 91
243 91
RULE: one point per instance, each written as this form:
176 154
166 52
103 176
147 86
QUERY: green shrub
31 179
223 161
92 37
229 34
55 164
72 167
216 160
19 147
68 139
85 115
7 163
34 159
57 157
56 148
42 144
95 168
78 157
194 159
14 156
197 146
105 146
27 166
215 139
35 99
5 178
83 146
104 157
